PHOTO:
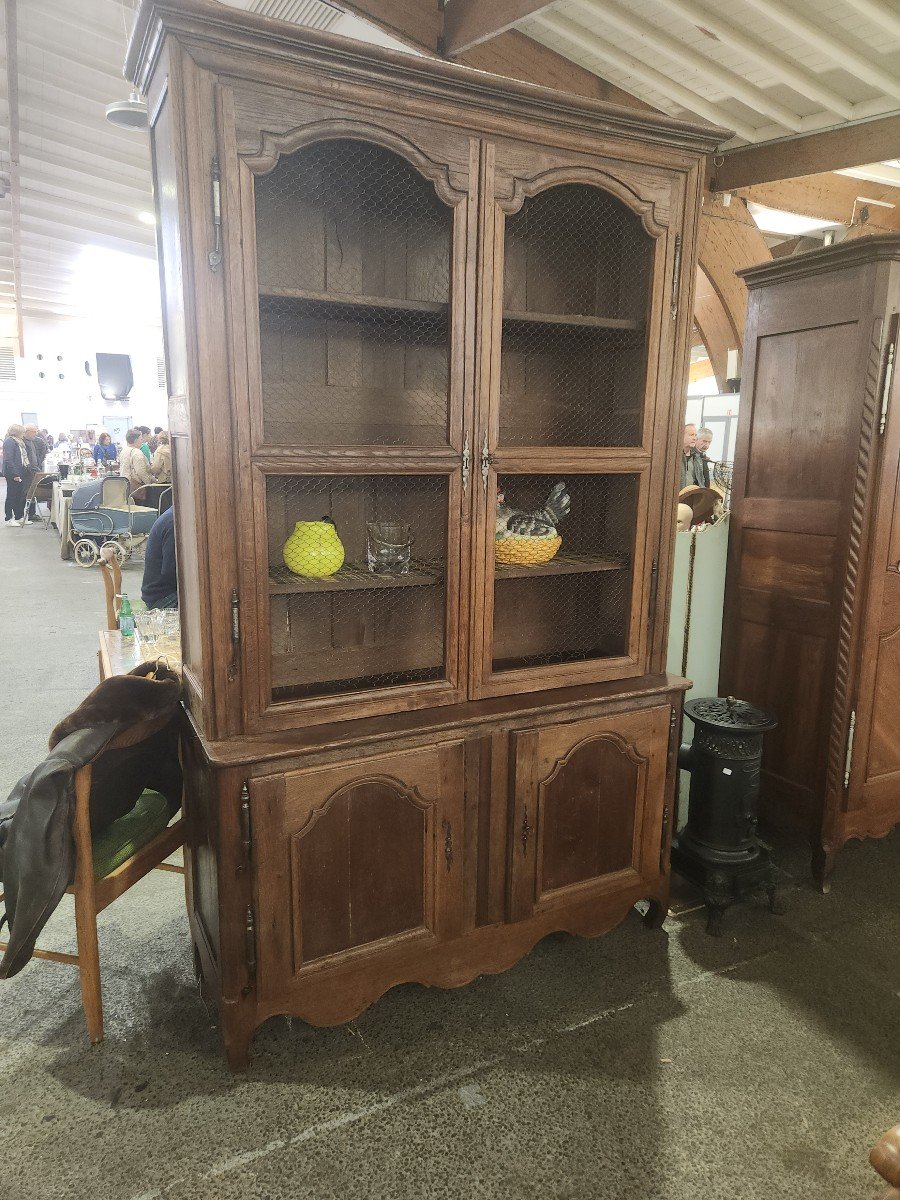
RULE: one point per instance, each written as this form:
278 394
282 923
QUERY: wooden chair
885 1158
112 584
93 895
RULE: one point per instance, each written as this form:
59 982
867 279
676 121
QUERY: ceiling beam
835 48
510 54
830 197
11 37
807 154
879 13
579 36
670 47
468 23
785 69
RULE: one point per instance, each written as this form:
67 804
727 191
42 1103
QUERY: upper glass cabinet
354 265
576 297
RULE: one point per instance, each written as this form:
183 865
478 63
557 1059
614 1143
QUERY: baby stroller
103 514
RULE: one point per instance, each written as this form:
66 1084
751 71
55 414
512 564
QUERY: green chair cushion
125 837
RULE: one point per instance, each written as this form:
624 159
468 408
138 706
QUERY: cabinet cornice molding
201 26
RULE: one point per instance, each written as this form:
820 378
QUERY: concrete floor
644 1065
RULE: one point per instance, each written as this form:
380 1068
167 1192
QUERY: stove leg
717 893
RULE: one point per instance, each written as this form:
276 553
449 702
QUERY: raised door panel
588 808
355 861
574 409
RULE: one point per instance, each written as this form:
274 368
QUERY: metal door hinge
250 946
673 726
654 589
486 460
215 255
526 830
676 275
235 633
246 836
848 761
886 384
448 843
466 464
664 842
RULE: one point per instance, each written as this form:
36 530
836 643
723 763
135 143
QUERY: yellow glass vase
314 549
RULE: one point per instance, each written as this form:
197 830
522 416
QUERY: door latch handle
486 461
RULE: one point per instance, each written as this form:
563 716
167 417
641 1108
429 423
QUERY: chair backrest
112 584
165 500
116 489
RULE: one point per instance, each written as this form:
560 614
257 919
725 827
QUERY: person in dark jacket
160 585
15 472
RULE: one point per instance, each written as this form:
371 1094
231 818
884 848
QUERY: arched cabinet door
355 862
354 267
576 409
588 809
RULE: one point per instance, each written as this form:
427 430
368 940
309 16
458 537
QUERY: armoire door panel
587 811
356 859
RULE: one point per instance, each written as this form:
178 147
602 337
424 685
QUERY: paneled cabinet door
588 809
575 416
355 860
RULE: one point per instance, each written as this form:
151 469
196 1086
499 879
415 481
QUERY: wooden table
60 508
118 655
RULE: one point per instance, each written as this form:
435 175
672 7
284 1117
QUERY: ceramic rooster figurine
530 539
541 523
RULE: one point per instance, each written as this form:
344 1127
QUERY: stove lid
724 712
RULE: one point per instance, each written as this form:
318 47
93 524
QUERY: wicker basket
523 551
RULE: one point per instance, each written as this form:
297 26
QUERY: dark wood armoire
393 289
812 603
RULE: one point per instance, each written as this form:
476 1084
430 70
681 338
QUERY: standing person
36 449
15 472
688 464
134 465
161 466
104 451
703 443
145 441
48 438
154 441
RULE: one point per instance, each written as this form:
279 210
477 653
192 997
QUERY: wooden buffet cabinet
812 601
393 288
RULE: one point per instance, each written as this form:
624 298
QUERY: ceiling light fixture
128 114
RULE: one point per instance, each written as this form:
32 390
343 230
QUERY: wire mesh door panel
357 582
564 558
576 297
354 254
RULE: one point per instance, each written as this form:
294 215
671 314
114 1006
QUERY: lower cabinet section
432 856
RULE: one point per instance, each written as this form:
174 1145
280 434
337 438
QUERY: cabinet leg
237 1036
823 862
656 913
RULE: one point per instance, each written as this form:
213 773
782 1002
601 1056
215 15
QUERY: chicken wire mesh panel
576 280
357 581
353 253
563 568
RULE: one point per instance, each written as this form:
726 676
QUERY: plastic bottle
126 618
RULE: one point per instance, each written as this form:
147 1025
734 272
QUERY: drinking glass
388 546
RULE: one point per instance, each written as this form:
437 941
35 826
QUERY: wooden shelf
346 301
562 564
349 578
573 320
